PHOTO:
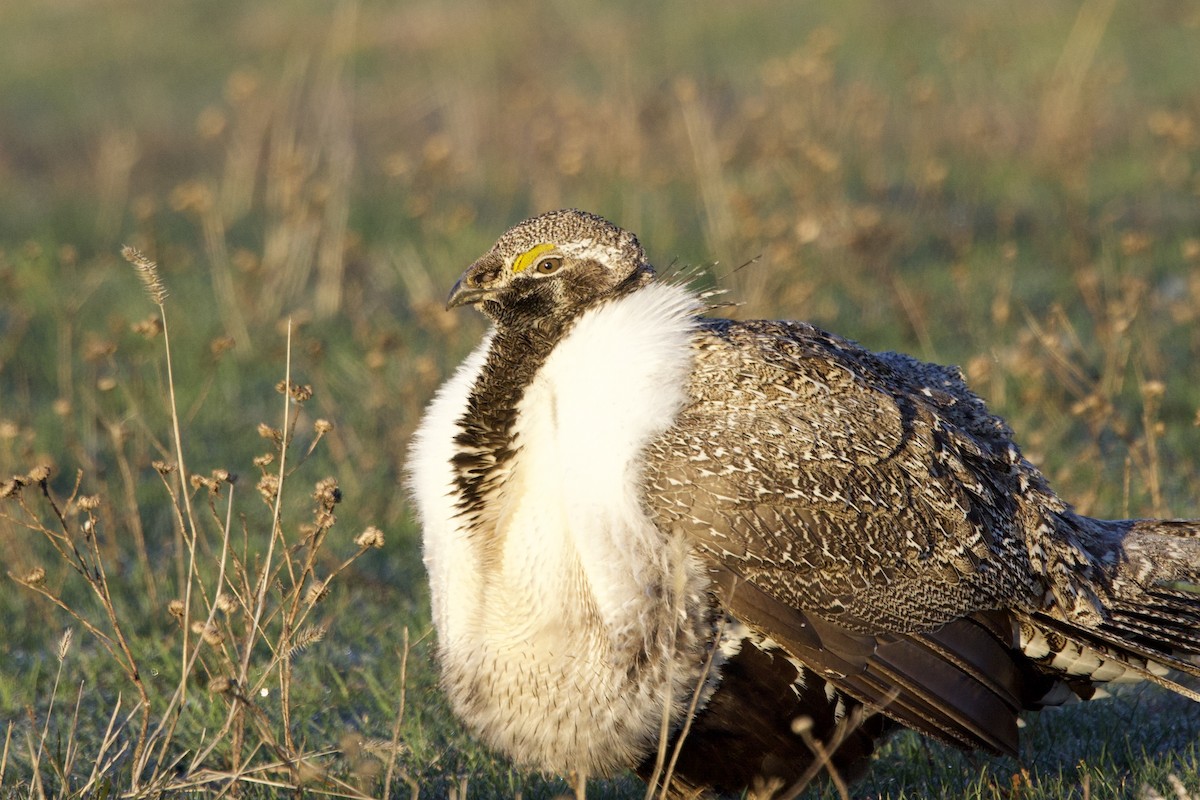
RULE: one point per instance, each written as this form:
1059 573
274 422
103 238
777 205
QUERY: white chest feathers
565 635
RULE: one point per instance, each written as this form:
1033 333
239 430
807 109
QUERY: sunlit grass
1013 188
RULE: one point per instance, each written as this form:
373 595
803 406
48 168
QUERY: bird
731 555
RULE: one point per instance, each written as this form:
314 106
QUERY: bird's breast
567 621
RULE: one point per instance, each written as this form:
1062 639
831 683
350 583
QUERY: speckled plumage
616 490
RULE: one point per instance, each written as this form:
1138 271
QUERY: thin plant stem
391 763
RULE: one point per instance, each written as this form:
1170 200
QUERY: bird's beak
475 284
464 294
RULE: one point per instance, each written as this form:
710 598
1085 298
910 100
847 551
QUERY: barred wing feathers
867 512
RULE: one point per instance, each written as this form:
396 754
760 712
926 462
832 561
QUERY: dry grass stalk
396 723
77 545
237 664
4 755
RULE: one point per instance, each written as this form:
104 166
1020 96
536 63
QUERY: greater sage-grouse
644 526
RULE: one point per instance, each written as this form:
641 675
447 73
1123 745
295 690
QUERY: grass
1012 187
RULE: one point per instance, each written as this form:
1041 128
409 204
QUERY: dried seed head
266 459
351 745
267 432
13 486
164 467
1150 390
147 270
39 473
327 494
316 593
213 484
64 644
305 637
97 350
35 577
192 196
268 487
801 725
368 769
1135 242
308 772
150 327
383 748
221 345
297 392
209 633
221 685
226 604
223 476
371 537
119 431
175 609
322 426
89 502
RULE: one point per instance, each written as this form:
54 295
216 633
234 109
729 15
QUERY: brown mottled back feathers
846 481
869 512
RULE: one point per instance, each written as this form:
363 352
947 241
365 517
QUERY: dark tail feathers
1149 589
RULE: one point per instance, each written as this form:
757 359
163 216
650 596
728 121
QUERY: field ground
1013 187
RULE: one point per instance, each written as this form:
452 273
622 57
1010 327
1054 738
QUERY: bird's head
550 268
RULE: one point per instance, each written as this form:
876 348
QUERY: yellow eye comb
526 259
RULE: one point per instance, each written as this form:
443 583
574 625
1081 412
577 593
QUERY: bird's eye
549 265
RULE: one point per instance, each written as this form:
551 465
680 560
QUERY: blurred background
1009 186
